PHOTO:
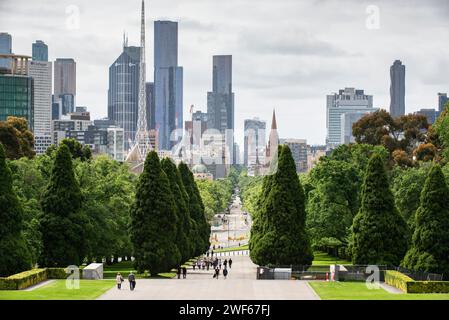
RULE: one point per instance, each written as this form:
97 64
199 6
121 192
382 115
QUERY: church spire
274 125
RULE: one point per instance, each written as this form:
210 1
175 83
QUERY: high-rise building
298 147
56 108
254 142
442 101
168 84
220 102
123 92
41 72
397 89
149 91
40 51
430 114
339 106
5 48
16 90
65 83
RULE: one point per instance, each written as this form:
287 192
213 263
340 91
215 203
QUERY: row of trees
67 210
168 224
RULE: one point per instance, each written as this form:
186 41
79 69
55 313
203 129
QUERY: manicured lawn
89 290
244 247
359 291
324 259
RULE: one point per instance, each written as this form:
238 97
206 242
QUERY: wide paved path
241 284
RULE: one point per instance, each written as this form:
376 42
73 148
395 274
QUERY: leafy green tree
379 233
77 150
429 251
16 138
183 216
153 220
62 223
14 254
281 237
196 209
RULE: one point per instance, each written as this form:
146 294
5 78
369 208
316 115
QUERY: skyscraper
254 141
397 89
123 92
344 108
149 91
442 101
65 81
5 48
220 102
168 84
40 51
41 72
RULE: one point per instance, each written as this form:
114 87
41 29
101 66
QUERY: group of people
131 279
182 270
217 267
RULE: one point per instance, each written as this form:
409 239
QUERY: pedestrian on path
179 272
225 263
119 280
230 263
225 273
217 273
132 281
184 272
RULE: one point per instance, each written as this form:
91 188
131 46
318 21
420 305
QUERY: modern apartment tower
65 82
40 51
5 48
40 69
397 89
343 109
254 142
442 101
123 92
168 84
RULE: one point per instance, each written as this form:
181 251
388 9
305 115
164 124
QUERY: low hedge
23 280
30 278
408 285
397 279
428 287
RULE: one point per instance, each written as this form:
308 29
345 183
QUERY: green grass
89 290
359 291
244 247
324 259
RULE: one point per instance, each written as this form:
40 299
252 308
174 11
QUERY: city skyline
299 61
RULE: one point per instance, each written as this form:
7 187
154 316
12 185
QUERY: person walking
230 263
225 273
132 281
207 265
184 272
119 280
179 272
225 263
217 273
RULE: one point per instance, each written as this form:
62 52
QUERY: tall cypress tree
154 220
430 243
196 209
282 238
14 254
379 232
62 223
182 212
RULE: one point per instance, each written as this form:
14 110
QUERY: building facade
41 72
254 142
397 89
430 114
5 48
339 105
299 148
123 92
65 83
40 51
168 85
442 101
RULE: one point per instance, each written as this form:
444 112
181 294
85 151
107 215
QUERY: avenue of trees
381 200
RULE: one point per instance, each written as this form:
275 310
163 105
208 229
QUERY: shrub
23 280
428 287
397 279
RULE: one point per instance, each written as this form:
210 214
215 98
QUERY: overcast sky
287 54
